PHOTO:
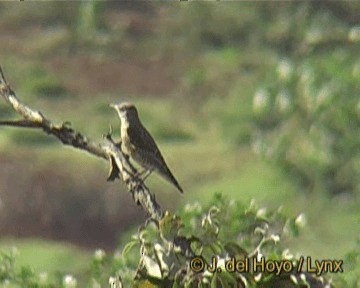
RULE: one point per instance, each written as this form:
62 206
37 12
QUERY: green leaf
129 246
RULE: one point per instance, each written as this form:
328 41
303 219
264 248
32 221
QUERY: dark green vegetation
253 100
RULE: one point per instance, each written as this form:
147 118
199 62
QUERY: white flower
300 220
259 256
159 250
303 278
257 278
206 280
287 255
43 277
115 282
354 34
221 263
261 213
284 69
275 238
244 280
293 279
69 281
99 254
152 267
260 100
112 280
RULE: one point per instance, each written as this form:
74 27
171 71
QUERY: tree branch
20 123
119 163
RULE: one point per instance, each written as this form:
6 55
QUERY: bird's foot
108 134
144 174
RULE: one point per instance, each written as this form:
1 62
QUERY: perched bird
137 143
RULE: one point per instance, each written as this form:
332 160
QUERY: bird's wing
147 149
141 139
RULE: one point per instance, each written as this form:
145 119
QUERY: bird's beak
112 105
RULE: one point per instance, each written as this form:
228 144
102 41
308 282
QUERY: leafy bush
179 250
24 277
306 114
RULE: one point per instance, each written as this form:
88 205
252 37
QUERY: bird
138 143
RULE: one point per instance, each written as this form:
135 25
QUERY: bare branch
135 185
20 123
119 163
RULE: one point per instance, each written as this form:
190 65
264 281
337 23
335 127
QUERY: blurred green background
253 100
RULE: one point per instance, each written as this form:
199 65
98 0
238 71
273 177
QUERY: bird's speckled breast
126 145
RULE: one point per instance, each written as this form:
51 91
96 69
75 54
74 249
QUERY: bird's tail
170 177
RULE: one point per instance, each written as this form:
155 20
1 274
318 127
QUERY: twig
119 164
20 123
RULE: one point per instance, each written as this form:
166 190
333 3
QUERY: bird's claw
108 134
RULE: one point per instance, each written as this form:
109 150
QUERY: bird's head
125 110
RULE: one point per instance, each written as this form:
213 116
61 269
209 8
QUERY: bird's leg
130 166
107 136
145 173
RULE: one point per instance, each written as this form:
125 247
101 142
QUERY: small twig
20 123
119 163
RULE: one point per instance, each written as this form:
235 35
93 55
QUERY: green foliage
352 268
178 251
41 264
305 111
23 277
306 114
